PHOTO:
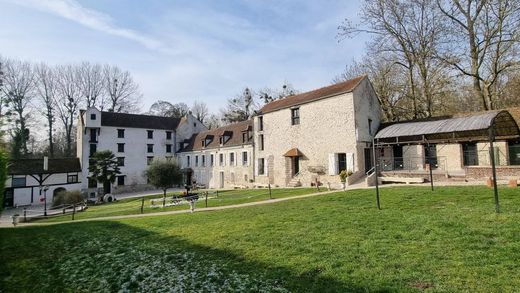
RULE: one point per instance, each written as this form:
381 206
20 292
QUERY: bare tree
240 108
167 109
200 110
412 31
18 90
69 101
123 92
214 121
484 42
268 95
46 87
91 83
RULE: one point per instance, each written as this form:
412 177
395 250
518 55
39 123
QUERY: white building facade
220 158
28 183
136 140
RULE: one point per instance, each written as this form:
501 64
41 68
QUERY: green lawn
226 197
449 240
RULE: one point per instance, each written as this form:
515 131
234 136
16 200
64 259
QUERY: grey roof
505 125
35 166
138 121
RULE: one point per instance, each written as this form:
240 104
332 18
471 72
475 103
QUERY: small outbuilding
29 180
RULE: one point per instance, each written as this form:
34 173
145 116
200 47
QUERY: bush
67 197
344 174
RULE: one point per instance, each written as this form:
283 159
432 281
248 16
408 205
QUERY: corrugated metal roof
480 121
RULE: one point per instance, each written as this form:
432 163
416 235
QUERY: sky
180 51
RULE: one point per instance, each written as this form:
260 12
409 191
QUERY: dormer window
92 116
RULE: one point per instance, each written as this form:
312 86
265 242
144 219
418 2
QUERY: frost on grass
115 267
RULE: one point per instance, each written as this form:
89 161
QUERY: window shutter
266 166
332 164
256 167
350 162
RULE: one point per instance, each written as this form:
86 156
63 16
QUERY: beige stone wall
483 153
327 126
236 175
413 157
450 156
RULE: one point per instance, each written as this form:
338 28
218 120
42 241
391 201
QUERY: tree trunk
164 198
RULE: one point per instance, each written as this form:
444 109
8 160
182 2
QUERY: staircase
294 182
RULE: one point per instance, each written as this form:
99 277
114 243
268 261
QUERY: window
120 161
18 182
244 159
470 154
120 180
221 159
342 162
232 159
261 141
260 123
203 160
93 149
149 148
93 135
120 147
295 116
188 161
261 166
514 152
244 137
196 161
150 134
73 178
212 160
168 148
370 126
120 133
92 116
168 135
221 140
149 160
92 183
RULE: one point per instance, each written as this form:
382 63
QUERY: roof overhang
470 128
294 152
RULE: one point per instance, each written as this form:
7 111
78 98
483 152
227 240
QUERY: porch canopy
294 152
473 127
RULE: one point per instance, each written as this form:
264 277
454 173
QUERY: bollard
24 215
192 205
15 219
73 211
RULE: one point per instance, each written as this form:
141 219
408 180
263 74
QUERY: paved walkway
197 210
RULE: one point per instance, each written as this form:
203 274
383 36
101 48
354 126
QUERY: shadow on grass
109 255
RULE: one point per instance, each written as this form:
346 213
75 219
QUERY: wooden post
431 172
217 192
73 211
493 167
25 215
270 194
142 205
375 172
206 194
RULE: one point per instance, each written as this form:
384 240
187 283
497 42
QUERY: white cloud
72 10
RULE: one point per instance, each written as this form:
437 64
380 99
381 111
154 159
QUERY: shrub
344 174
3 176
67 197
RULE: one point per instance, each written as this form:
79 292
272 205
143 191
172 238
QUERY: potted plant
343 175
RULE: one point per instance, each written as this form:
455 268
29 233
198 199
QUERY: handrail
370 171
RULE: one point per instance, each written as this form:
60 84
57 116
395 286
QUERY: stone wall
503 172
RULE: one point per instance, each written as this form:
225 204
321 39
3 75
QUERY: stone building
136 140
312 136
220 158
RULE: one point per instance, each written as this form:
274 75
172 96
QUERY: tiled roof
35 166
138 121
235 130
324 92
